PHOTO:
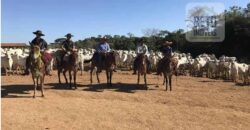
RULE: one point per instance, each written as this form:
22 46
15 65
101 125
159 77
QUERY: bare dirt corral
195 103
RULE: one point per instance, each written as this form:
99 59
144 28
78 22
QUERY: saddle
46 57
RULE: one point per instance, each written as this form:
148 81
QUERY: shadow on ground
118 87
16 91
8 90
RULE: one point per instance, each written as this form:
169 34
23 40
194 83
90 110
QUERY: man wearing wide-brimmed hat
102 47
141 48
38 41
166 49
68 46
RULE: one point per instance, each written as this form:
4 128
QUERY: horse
70 65
167 66
108 65
37 68
142 68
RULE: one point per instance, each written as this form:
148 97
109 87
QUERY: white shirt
143 49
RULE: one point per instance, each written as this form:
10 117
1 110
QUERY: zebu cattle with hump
7 62
19 62
225 67
198 66
239 71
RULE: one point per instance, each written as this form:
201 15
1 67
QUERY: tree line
236 42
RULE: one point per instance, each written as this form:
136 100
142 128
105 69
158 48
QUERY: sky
86 18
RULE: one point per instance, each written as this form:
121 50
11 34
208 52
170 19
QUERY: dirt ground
194 103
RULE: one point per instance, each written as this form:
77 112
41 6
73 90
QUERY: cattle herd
226 68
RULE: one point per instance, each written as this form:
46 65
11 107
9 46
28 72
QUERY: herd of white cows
226 68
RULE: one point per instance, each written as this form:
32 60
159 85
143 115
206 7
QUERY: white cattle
7 62
239 71
212 68
19 60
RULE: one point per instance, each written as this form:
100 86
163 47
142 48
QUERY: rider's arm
137 49
45 44
74 45
108 48
62 46
145 49
171 51
97 48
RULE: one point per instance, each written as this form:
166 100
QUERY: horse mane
110 58
73 57
36 52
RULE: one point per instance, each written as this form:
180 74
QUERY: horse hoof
34 96
43 96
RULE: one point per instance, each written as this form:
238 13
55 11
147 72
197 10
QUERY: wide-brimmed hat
69 35
167 43
38 32
104 38
141 40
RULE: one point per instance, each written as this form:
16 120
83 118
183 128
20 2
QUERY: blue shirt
39 42
103 47
166 50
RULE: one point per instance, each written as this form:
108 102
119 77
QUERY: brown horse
108 65
70 65
37 68
167 66
142 68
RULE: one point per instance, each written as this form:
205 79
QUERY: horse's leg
107 75
42 82
70 78
138 77
91 71
64 74
75 71
97 76
170 82
110 77
165 78
37 83
82 68
58 73
34 80
163 81
145 80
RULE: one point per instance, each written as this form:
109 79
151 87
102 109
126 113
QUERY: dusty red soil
194 103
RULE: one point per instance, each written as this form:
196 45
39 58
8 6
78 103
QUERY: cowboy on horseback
167 49
40 42
141 49
101 49
167 52
67 46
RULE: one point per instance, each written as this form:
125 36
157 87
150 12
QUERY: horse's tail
87 61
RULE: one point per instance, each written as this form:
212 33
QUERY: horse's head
142 59
73 58
36 52
110 56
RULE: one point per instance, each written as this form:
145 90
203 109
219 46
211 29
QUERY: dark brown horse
37 68
142 68
70 65
108 65
167 66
